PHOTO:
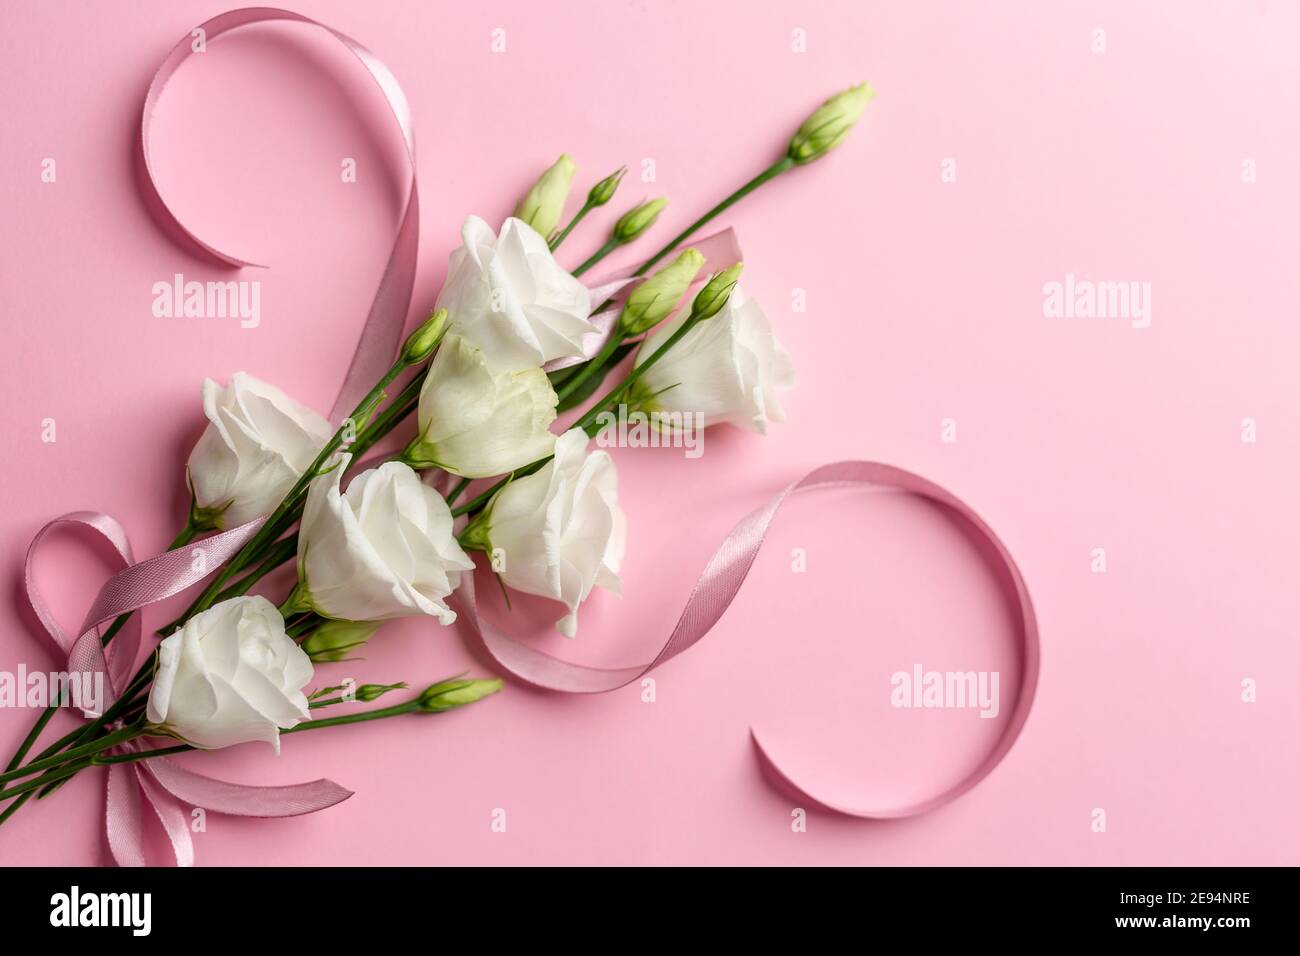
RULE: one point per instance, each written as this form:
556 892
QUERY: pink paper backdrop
924 303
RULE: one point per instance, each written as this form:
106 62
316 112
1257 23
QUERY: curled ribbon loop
382 332
86 653
718 586
160 782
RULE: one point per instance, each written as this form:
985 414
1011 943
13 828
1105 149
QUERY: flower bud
335 640
543 205
655 299
829 124
638 219
604 190
370 692
711 299
457 692
421 343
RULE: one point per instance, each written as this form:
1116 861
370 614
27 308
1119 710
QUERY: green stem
10 810
84 757
596 256
122 708
776 169
328 702
478 501
586 208
24 790
278 552
457 488
105 759
295 603
640 369
409 707
283 550
407 401
590 367
185 537
85 750
307 623
37 728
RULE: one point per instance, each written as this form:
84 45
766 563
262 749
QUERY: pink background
924 302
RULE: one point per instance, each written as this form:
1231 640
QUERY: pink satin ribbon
160 782
382 331
718 586
165 786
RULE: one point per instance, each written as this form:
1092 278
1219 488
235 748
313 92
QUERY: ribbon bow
161 783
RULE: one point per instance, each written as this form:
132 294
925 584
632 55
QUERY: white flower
728 368
510 298
476 421
384 549
258 442
560 532
229 676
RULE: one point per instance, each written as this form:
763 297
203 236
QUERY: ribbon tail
123 821
722 580
244 800
172 816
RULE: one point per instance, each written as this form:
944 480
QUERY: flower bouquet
515 340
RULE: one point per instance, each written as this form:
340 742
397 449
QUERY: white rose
383 549
229 676
508 296
560 532
476 421
258 442
728 368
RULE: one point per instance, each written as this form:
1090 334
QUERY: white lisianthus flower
728 368
476 421
229 676
508 296
383 549
258 442
559 532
